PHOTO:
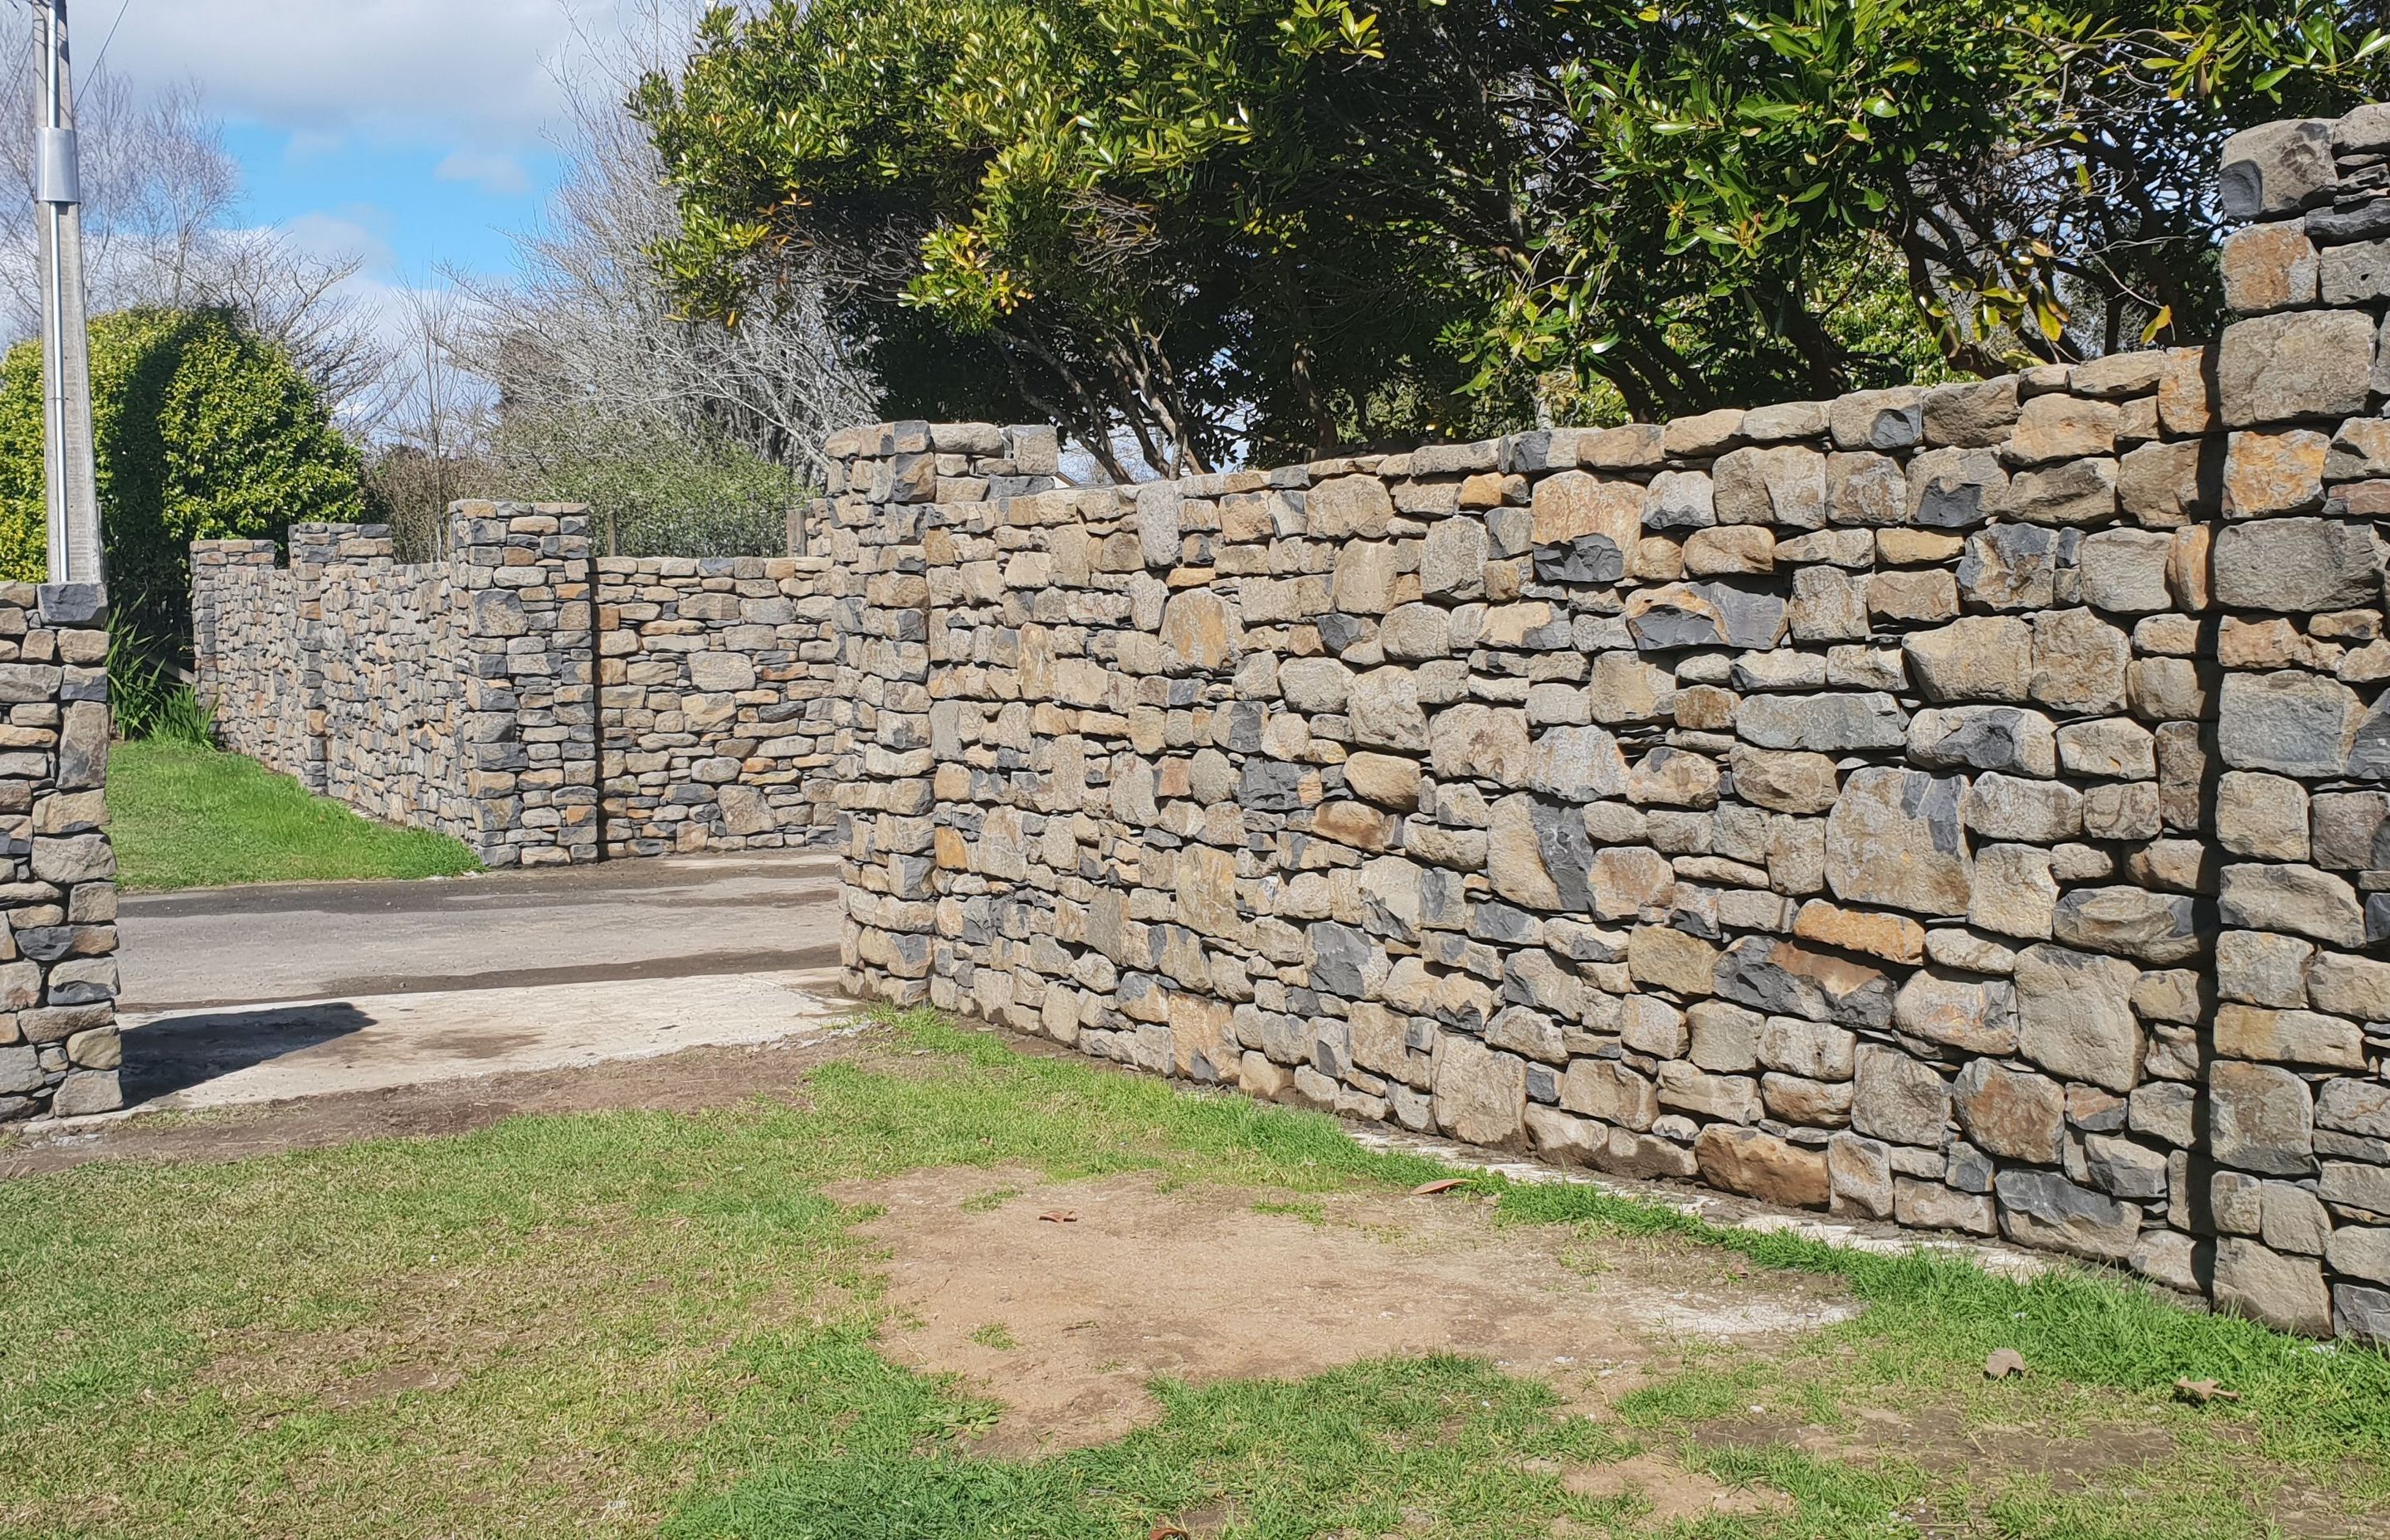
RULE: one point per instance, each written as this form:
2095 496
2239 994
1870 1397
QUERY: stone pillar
2297 1126
314 545
886 524
529 721
59 1049
209 562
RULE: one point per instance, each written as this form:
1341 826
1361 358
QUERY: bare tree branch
586 346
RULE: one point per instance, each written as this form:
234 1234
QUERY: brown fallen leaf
1167 1531
1429 1189
1061 1217
2202 1391
2003 1363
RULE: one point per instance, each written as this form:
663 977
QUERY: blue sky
409 132
420 205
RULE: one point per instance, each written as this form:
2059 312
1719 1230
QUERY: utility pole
73 491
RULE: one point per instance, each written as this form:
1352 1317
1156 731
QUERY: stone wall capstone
1965 807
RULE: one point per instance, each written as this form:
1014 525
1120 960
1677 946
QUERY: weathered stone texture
527 698
59 1052
1968 806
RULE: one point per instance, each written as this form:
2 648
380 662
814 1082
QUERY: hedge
201 432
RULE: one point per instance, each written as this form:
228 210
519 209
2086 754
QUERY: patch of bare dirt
690 1081
1064 1322
1675 1494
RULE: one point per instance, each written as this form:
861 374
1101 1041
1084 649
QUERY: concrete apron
246 1054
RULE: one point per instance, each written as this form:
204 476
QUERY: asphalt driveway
251 994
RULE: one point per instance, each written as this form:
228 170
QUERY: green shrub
201 432
145 699
655 493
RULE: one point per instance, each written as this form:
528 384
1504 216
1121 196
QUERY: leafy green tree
2039 177
1207 222
1255 227
201 432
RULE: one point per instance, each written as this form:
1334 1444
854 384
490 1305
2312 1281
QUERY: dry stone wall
538 704
718 690
58 1047
254 647
1966 808
454 695
387 725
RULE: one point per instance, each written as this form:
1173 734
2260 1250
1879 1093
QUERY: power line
112 35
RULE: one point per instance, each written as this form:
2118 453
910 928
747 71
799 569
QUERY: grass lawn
183 817
633 1323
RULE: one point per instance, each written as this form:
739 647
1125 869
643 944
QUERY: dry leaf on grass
1061 1217
1167 1531
1429 1189
2202 1391
2003 1363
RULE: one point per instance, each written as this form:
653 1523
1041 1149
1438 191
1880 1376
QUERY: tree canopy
201 432
1249 228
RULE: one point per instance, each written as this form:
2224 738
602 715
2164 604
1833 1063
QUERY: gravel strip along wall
1968 807
58 1050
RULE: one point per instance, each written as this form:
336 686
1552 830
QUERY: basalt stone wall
2296 1120
901 495
1964 807
454 694
59 1049
253 627
719 696
489 695
387 725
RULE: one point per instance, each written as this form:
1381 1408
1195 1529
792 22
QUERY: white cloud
490 171
350 233
452 72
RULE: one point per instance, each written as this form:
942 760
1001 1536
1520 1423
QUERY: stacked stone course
718 683
386 648
253 627
59 1049
1958 807
2298 1104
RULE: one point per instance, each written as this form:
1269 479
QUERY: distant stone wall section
455 696
1965 807
58 1047
254 648
490 694
389 658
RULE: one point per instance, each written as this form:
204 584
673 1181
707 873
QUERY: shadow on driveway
163 1057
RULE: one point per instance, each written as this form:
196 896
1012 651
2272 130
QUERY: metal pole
71 484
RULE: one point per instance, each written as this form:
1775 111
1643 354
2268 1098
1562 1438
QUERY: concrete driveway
251 994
